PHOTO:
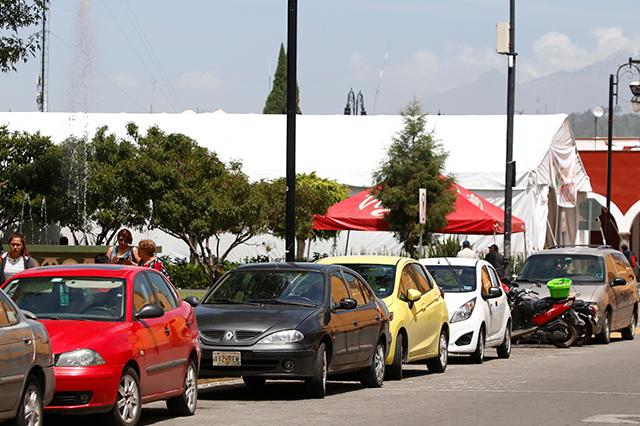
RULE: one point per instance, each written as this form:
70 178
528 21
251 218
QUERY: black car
293 321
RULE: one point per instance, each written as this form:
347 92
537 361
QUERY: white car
480 317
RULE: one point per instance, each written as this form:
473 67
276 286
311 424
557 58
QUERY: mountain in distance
562 92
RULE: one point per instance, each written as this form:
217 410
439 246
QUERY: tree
16 15
277 100
414 160
29 177
196 197
314 195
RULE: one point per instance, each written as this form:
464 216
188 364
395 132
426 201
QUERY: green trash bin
559 287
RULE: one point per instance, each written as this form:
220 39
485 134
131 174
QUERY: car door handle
355 323
27 340
378 318
167 331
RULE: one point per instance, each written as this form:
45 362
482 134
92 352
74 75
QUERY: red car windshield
75 298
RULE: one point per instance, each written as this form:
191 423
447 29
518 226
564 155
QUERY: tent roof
327 144
472 215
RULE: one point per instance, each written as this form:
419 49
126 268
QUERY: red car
121 336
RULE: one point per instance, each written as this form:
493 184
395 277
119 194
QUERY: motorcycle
544 320
587 313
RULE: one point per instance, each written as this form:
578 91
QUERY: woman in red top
147 253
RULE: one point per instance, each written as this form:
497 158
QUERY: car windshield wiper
283 302
229 301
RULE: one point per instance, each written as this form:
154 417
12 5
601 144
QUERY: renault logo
228 335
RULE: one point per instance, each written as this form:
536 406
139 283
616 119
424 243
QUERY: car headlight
464 312
282 337
79 358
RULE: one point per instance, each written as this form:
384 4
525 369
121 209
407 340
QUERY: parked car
26 365
293 321
419 326
480 314
601 276
121 337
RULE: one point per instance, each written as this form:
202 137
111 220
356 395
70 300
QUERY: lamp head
635 88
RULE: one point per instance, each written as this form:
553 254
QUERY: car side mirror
347 303
192 300
618 281
150 311
493 293
29 315
413 295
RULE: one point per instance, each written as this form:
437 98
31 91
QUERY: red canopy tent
363 212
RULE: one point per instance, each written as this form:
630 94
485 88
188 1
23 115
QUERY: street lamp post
632 68
290 211
355 104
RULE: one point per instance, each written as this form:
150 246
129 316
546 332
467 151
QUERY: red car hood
67 335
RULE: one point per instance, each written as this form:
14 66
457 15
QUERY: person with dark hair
101 258
147 250
496 259
467 251
123 252
629 255
17 259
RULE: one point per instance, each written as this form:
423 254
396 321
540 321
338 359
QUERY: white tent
349 148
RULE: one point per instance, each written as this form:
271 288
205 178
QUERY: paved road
537 385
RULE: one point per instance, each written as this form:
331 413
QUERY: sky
168 56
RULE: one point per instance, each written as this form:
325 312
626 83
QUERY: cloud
124 80
199 80
554 51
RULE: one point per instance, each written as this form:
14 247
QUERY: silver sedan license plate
226 359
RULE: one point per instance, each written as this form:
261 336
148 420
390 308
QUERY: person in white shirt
17 259
466 251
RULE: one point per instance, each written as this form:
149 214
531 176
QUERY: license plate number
226 359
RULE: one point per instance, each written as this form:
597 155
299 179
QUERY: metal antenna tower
43 78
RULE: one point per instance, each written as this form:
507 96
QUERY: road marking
614 419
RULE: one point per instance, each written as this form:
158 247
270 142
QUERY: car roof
458 261
99 270
287 266
587 250
370 260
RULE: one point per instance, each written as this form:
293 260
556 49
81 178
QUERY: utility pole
506 45
290 214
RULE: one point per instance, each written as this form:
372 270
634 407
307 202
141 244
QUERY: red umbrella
362 212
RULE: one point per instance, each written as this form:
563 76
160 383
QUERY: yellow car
420 320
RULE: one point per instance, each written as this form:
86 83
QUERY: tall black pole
43 106
607 216
290 215
510 166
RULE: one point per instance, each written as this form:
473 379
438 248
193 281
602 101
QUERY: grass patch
191 292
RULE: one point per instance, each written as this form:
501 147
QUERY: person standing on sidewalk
467 251
17 259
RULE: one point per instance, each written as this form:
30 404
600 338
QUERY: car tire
30 410
253 381
394 371
604 337
439 363
504 350
128 406
629 332
477 357
316 385
373 375
186 404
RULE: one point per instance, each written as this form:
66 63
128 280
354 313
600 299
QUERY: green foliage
414 160
185 275
276 102
29 172
517 261
314 195
624 125
196 197
17 43
447 247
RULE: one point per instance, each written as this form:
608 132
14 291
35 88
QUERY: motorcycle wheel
572 335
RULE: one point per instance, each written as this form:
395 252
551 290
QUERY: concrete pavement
594 384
